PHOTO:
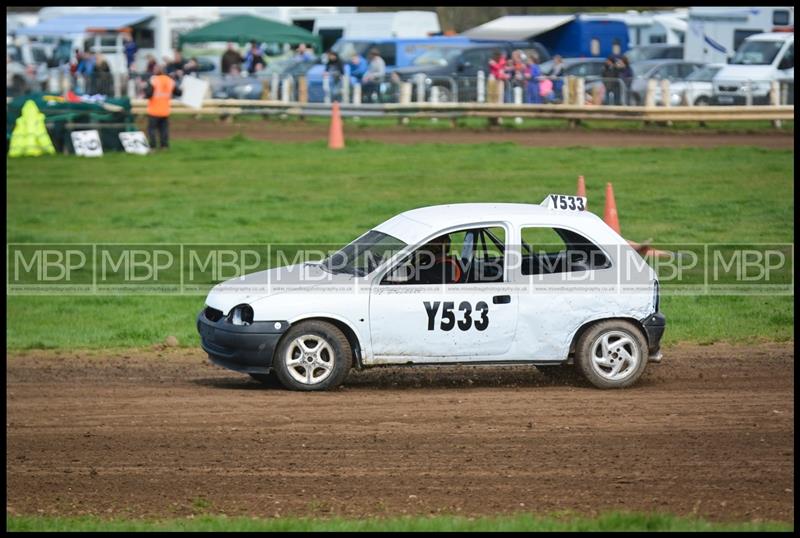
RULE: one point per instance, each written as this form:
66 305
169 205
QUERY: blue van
587 36
396 52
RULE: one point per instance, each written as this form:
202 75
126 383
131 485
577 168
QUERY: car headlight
241 315
675 99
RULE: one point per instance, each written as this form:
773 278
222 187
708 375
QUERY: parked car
27 68
590 69
660 51
760 60
547 285
695 90
396 52
237 87
454 69
672 70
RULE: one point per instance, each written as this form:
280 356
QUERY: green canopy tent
245 28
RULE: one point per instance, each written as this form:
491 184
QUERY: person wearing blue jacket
357 67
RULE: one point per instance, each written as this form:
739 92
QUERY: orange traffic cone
610 216
336 133
582 188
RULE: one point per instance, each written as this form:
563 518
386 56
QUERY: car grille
729 88
213 314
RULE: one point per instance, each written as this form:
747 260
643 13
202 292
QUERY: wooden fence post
650 93
580 92
775 99
302 89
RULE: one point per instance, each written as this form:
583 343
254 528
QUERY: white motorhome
715 33
155 30
653 27
399 24
748 77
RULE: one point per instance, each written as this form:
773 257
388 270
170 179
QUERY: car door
466 70
562 272
472 320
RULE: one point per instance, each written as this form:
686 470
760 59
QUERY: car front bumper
242 348
654 326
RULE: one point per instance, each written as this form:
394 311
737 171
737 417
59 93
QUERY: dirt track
164 433
280 131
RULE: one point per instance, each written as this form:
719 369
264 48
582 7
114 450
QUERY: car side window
549 250
388 52
475 255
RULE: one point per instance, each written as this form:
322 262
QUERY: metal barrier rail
233 107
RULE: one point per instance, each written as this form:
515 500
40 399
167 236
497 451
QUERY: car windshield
704 74
757 53
15 54
363 255
442 57
640 54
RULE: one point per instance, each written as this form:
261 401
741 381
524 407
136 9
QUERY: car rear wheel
612 354
313 355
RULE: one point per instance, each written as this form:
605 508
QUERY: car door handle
501 299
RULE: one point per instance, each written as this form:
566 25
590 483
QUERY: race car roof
415 225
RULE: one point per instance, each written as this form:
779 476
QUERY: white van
760 60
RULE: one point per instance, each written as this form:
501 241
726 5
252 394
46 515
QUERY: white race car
548 285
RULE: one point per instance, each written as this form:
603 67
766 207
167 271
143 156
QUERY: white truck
715 33
761 60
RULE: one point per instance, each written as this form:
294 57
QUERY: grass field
240 191
480 124
606 522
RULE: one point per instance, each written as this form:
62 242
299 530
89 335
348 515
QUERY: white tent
518 27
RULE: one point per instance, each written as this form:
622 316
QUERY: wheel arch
589 324
348 330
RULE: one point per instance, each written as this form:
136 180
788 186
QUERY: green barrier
62 117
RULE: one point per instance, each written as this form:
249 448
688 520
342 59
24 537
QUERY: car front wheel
313 355
612 354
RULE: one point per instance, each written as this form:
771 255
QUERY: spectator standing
160 90
151 64
610 75
376 70
104 83
557 73
357 67
86 67
533 74
130 50
175 67
230 58
498 68
303 54
253 56
626 74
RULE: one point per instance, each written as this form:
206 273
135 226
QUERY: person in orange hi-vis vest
160 89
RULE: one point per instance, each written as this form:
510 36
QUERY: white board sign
194 90
87 143
565 202
134 142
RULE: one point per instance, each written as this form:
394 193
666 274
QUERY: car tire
702 101
269 380
636 100
313 355
612 354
